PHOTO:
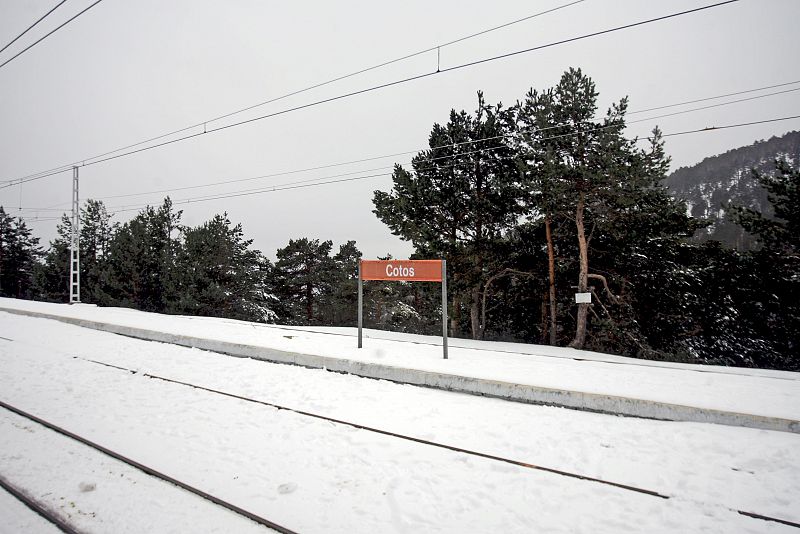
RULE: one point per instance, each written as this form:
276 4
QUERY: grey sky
129 70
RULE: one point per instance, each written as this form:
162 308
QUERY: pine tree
141 268
220 275
458 200
97 231
771 307
305 276
52 274
344 298
579 169
19 255
544 185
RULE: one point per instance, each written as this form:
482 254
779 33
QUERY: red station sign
408 270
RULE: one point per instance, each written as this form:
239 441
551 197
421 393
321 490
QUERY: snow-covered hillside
717 181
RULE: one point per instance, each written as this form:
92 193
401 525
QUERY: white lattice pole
74 244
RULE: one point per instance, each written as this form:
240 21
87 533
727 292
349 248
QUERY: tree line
154 263
530 204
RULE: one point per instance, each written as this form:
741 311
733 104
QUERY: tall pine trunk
583 275
475 292
551 264
475 313
309 302
455 316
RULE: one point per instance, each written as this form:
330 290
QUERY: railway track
59 522
263 521
39 508
526 465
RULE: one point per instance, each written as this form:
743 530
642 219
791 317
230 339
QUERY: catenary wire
695 101
666 106
453 145
29 28
316 181
303 185
728 126
12 58
373 88
309 88
678 104
342 180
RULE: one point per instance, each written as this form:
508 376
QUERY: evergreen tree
141 268
220 276
780 234
544 186
457 202
52 275
96 234
305 277
584 170
344 298
771 304
19 255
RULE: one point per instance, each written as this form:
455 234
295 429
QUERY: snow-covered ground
97 493
315 476
16 517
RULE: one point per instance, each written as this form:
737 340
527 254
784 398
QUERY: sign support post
403 270
360 304
444 307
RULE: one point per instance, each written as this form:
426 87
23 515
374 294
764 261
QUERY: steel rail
149 470
36 506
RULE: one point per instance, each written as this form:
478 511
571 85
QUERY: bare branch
602 278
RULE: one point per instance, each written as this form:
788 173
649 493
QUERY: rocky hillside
727 178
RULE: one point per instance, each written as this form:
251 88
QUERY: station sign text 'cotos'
408 270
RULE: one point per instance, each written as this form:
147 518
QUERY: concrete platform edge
578 400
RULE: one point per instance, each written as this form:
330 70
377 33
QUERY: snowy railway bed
400 436
440 445
315 475
64 525
18 520
66 512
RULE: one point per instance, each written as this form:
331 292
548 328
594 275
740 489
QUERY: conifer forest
529 204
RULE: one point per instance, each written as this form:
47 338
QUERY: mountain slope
727 178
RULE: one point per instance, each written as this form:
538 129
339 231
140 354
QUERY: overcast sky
128 70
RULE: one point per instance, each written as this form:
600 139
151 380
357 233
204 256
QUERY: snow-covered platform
756 398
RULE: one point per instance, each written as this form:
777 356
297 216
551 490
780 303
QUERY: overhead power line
205 122
15 56
727 126
666 106
31 26
464 143
336 179
695 101
206 131
299 185
692 110
239 180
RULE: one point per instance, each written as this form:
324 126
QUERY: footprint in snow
289 487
